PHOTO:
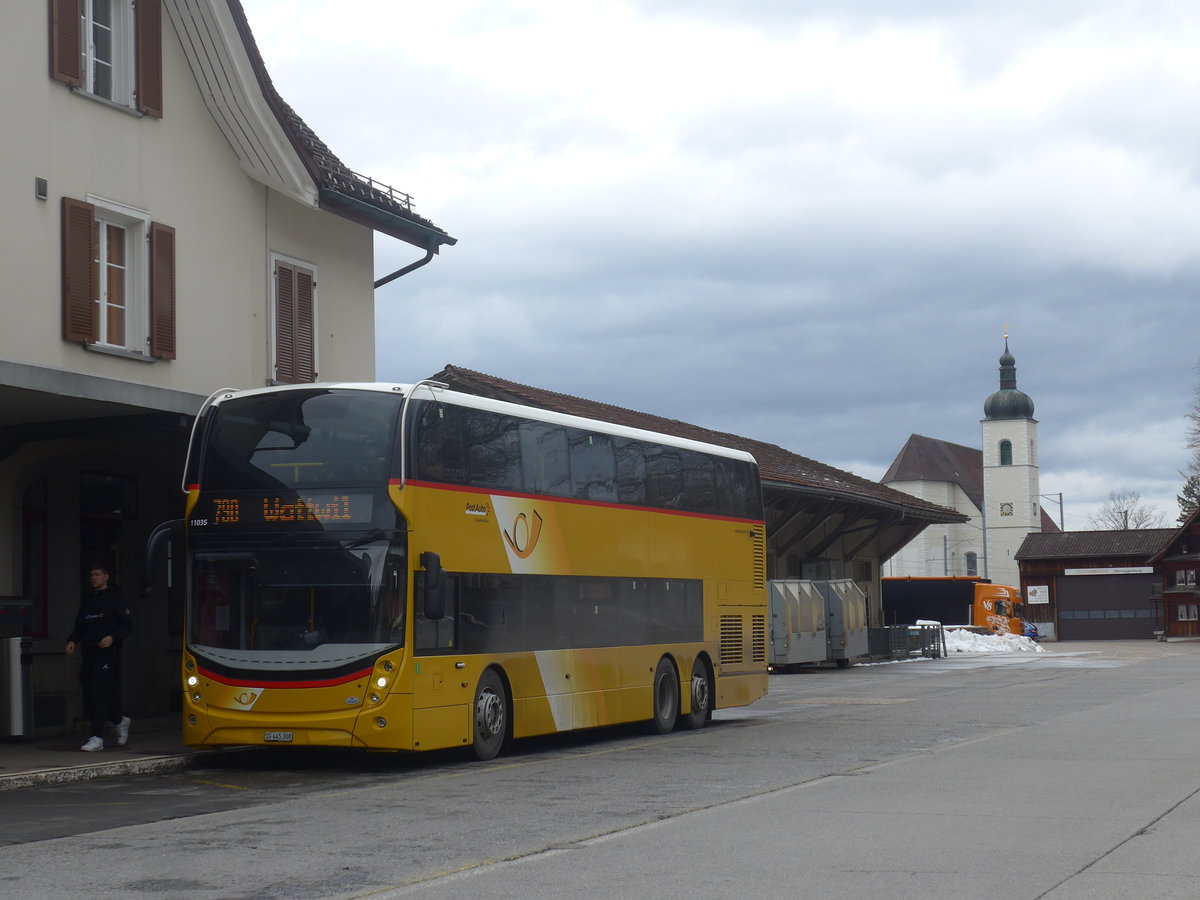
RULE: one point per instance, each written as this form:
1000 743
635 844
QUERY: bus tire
666 696
489 717
701 695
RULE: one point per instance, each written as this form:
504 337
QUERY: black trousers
100 681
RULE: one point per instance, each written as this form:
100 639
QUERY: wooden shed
1093 585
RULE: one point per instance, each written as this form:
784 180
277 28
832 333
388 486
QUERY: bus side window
441 635
737 489
441 455
631 471
664 483
493 457
699 481
593 466
544 460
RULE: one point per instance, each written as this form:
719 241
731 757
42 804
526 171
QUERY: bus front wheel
666 696
701 692
490 728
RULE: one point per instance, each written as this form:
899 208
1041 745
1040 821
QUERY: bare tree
1189 495
1192 416
1124 510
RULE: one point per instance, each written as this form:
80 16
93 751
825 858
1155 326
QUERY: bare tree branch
1124 510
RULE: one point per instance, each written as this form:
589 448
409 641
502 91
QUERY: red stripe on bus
328 682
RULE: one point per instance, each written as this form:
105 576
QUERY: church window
972 560
1006 509
1006 453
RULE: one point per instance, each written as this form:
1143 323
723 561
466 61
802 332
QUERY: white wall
180 170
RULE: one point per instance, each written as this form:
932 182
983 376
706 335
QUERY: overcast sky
803 222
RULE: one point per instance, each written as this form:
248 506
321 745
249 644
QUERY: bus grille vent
760 560
731 640
758 639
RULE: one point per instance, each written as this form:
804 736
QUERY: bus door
442 681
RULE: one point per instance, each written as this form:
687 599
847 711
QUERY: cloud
804 222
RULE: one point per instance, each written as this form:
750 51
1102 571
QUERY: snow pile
960 640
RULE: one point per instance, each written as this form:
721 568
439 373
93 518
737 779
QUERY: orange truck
953 600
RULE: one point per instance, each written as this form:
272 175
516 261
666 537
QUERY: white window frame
122 65
1188 612
1185 577
136 223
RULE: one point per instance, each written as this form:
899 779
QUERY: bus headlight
192 681
374 698
195 696
381 682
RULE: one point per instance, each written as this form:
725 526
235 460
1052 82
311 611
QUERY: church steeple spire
1008 369
1008 402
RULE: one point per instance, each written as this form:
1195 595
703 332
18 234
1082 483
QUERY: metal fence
907 641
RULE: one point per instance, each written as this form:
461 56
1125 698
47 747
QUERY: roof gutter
399 273
379 220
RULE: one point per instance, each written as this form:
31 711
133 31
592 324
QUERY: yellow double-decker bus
405 567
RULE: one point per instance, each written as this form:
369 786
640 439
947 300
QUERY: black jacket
101 613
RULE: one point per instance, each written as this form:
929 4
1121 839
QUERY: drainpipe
430 250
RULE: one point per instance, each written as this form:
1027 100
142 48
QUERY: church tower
1011 507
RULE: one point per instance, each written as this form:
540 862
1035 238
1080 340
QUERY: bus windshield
299 607
301 440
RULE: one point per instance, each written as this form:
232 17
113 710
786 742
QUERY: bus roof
500 406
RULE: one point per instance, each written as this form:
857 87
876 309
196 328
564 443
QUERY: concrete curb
148 765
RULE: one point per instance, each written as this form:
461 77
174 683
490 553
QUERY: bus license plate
277 737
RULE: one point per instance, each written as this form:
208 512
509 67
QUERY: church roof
929 459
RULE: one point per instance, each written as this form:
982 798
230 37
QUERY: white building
996 487
173 227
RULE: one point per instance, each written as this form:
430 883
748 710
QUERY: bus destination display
272 510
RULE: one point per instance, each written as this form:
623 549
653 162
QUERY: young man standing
103 621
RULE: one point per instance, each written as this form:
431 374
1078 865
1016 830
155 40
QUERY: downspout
399 273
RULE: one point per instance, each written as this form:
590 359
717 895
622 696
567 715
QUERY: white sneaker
123 730
93 743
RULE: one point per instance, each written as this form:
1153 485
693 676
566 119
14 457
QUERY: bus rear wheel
666 696
490 716
701 693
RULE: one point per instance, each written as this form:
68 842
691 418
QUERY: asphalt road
1064 775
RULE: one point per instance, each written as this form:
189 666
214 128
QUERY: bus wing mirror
171 531
435 586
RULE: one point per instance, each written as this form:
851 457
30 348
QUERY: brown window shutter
294 327
148 30
306 346
285 323
66 42
80 287
162 291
